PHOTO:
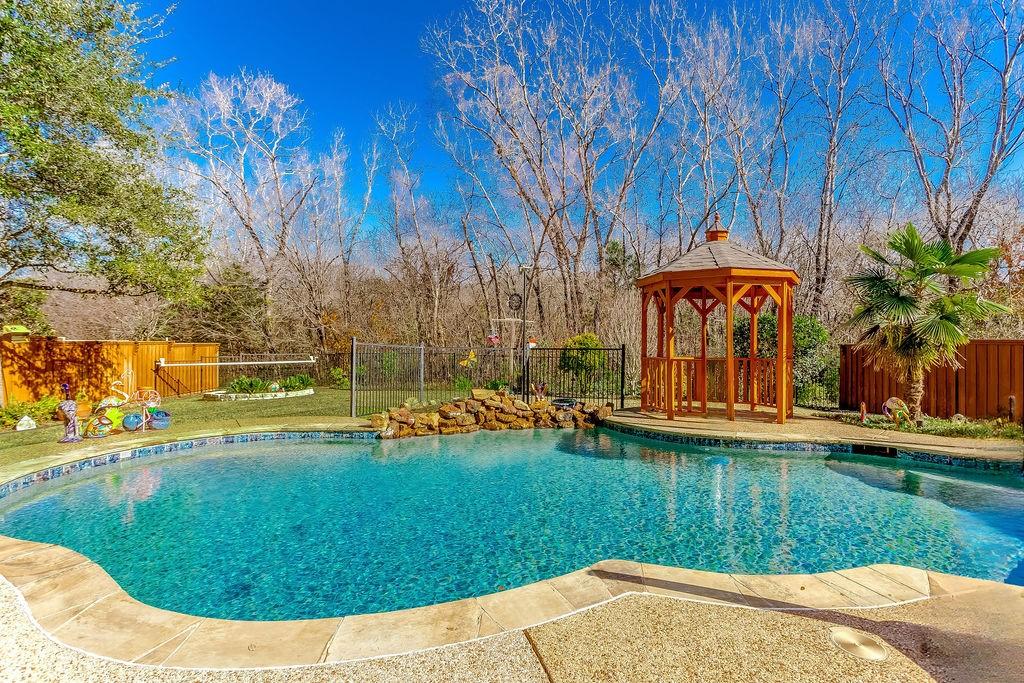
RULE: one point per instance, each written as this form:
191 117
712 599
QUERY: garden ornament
115 401
863 412
896 410
68 409
24 424
98 427
469 361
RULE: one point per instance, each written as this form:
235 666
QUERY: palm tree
916 305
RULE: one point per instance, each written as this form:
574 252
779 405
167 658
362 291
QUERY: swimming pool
300 529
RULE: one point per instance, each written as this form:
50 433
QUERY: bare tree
953 89
846 38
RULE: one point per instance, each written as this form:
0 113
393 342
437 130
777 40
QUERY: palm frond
907 243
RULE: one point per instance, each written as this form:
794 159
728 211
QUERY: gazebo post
791 392
704 359
670 352
730 361
752 366
644 301
781 379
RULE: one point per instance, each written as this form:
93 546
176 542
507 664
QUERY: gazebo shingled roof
720 254
717 272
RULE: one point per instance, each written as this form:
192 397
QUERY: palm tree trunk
915 393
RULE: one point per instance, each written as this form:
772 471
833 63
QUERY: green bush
339 378
248 385
296 383
463 385
582 358
815 356
43 410
496 385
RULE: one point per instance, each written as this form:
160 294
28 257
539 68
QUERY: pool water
300 529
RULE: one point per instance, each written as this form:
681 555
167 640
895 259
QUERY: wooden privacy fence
38 367
991 371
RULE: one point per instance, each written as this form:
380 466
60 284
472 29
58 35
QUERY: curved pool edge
75 602
93 455
628 423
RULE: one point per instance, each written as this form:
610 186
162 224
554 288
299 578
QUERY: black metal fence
384 376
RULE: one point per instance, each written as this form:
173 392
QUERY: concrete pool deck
63 618
649 624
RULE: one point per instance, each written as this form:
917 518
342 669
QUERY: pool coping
74 601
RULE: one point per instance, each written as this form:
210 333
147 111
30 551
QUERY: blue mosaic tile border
24 482
727 442
807 447
957 461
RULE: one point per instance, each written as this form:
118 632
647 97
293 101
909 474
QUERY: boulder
566 424
539 406
473 406
450 430
481 394
444 422
465 420
506 417
520 405
379 421
449 411
495 426
603 413
470 428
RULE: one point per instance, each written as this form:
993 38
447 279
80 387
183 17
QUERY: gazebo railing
755 382
654 376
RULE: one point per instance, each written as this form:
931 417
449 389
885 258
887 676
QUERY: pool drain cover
858 644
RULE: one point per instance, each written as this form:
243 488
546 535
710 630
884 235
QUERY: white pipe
312 359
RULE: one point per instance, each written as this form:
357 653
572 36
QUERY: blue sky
346 60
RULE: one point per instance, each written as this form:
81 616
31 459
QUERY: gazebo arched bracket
717 273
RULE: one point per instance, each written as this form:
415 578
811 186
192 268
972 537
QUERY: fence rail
990 372
383 375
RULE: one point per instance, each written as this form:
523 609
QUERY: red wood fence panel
990 372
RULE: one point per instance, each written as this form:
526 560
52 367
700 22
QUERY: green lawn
187 415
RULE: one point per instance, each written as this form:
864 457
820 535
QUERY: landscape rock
449 411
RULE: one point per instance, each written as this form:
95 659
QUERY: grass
188 414
974 429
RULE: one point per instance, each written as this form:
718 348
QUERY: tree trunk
915 393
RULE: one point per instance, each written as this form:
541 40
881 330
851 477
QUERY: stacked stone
493 411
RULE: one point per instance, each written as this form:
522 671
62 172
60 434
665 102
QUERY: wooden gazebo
714 273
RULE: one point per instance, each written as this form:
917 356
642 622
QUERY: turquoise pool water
288 530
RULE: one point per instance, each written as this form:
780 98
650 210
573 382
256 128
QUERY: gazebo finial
716 233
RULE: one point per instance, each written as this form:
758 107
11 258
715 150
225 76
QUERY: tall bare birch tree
952 85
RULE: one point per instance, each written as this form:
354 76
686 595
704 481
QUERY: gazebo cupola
718 272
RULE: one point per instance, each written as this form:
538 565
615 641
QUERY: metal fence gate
385 375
